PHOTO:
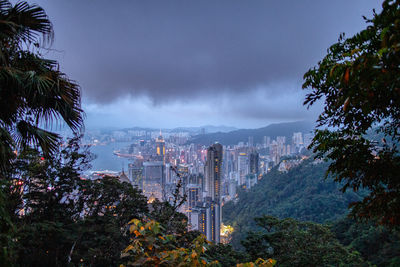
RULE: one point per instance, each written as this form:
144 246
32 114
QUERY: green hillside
302 193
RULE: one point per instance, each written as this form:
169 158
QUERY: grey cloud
262 107
179 50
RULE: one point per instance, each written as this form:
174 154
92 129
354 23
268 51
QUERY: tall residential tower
213 168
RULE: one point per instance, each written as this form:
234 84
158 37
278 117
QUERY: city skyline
208 175
171 64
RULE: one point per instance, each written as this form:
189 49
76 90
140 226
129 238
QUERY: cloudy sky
190 63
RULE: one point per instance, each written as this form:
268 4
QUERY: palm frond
31 135
6 149
28 21
50 94
33 92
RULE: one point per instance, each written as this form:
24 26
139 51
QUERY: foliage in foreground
359 82
377 244
60 218
34 94
294 243
150 246
226 255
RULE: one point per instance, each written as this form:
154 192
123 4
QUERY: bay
105 158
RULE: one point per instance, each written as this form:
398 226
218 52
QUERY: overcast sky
190 63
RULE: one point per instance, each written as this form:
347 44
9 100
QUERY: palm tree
33 92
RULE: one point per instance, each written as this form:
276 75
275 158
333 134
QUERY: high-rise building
307 139
198 219
193 195
297 139
154 179
251 141
214 222
213 171
242 167
168 173
267 141
232 188
135 174
281 140
160 147
213 168
253 163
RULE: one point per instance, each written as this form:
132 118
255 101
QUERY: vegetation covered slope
302 193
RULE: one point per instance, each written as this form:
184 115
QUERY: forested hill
302 193
272 130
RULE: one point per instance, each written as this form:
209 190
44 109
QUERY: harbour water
105 158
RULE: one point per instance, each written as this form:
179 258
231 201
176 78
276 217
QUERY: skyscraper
253 162
160 147
135 174
154 179
213 186
297 139
251 141
242 167
213 171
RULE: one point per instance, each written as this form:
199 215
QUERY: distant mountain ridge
207 128
242 135
193 130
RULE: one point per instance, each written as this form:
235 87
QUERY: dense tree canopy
60 218
359 81
294 243
378 245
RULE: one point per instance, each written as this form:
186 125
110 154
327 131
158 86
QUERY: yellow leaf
128 248
194 254
134 221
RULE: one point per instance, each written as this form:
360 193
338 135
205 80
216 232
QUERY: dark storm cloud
179 50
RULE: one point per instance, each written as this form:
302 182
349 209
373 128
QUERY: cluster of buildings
158 167
209 175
